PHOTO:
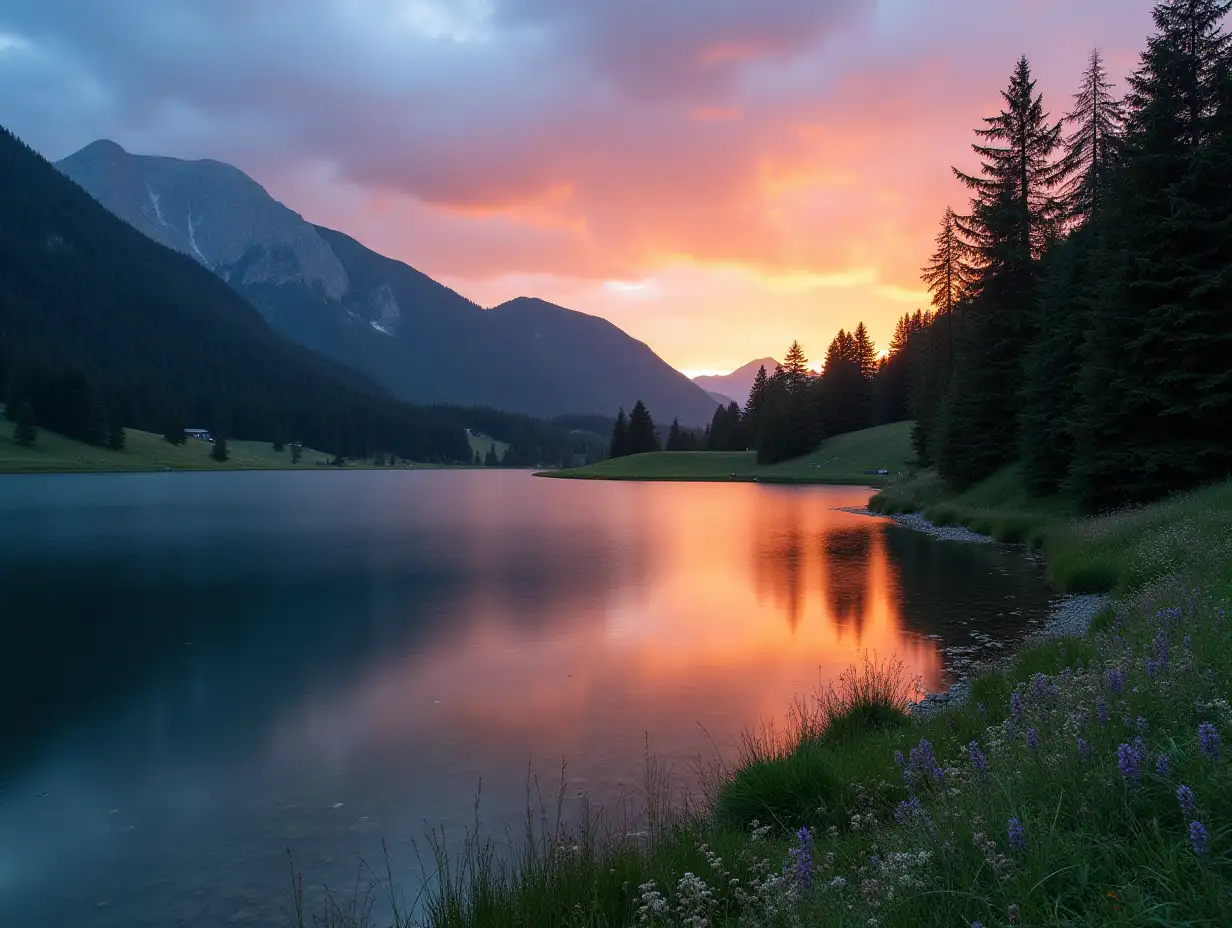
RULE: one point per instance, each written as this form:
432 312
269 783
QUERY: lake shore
852 459
1043 757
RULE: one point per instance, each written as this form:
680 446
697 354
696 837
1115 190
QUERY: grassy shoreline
850 460
1083 783
147 453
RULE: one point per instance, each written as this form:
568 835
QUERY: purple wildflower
1116 678
1160 646
802 859
1017 707
1187 801
1129 762
898 759
1152 668
1163 766
911 812
1017 835
1084 749
1141 725
1032 740
1208 740
1199 840
1101 709
1039 686
978 760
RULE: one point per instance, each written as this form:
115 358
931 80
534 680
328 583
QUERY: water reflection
205 669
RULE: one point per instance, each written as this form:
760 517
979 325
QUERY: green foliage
116 436
297 452
781 790
24 433
219 450
642 437
619 446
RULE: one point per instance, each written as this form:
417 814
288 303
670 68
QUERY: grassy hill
144 451
844 459
482 443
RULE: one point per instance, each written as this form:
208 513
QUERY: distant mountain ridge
739 382
420 339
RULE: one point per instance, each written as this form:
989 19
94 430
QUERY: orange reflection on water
721 604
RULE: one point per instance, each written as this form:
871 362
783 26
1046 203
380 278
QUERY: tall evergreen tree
675 440
1015 215
865 352
619 446
947 274
116 436
173 432
1156 387
753 405
1098 121
219 451
1051 369
642 437
24 433
795 369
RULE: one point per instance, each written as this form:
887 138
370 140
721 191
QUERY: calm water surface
201 671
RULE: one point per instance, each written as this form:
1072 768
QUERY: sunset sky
717 177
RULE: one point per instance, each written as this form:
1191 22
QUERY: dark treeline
534 442
790 411
100 328
635 434
1083 305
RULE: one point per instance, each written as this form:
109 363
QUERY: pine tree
476 460
297 452
1015 216
753 405
25 434
795 369
116 436
1051 369
1156 387
865 352
173 431
948 276
1098 121
641 437
619 446
1019 176
490 459
219 451
674 440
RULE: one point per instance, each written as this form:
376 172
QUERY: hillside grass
1087 781
142 452
483 443
844 459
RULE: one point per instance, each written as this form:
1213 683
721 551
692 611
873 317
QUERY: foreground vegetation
851 458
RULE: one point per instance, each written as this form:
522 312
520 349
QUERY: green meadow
852 458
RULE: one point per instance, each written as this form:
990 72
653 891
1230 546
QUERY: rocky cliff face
210 211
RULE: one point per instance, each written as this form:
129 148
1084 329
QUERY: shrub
783 791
